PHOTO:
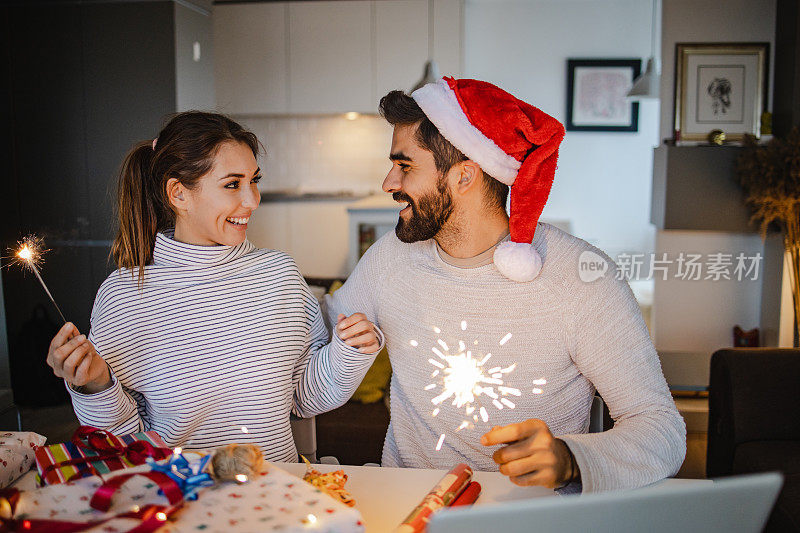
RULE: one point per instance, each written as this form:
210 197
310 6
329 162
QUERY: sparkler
467 379
30 255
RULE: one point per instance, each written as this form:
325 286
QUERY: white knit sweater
219 337
575 336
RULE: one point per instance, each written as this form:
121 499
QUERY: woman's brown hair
185 150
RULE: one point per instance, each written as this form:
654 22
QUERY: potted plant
770 177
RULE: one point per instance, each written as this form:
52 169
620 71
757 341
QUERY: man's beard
428 214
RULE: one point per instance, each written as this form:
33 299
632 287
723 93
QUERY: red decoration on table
469 495
443 494
94 452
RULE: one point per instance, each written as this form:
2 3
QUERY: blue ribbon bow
190 477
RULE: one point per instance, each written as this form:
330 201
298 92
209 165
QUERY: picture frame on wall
720 86
596 95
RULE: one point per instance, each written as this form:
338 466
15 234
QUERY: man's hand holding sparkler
533 455
74 358
358 332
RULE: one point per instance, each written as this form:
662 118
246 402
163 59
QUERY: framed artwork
596 95
720 87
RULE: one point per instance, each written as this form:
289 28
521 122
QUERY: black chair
754 422
10 417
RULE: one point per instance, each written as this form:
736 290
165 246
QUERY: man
458 280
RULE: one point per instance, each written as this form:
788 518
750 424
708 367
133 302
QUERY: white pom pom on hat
518 261
510 140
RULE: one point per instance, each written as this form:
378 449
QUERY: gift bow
177 479
101 442
189 477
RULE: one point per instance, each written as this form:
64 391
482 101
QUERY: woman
199 334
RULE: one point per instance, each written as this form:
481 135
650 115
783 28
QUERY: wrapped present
17 451
273 500
94 452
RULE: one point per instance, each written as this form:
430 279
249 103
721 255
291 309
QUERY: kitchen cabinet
330 57
448 36
325 57
250 64
401 44
313 232
369 220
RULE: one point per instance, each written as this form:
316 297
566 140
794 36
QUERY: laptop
729 505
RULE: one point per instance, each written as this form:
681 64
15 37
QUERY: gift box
17 451
96 452
273 501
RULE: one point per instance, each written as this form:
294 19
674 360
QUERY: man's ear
176 194
469 175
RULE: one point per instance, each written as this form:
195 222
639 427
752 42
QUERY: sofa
754 422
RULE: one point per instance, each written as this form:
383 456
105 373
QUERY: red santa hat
510 140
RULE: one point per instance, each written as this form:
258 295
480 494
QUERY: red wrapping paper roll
444 493
469 495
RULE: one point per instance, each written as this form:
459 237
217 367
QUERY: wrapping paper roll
444 493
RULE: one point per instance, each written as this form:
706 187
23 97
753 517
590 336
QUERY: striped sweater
568 339
218 338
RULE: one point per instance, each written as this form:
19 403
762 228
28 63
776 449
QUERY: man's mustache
400 197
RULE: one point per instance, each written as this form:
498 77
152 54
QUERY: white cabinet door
401 41
448 36
250 58
330 57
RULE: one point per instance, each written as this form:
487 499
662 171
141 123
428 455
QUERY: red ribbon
149 515
152 516
102 496
101 442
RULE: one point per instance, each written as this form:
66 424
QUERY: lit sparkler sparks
466 378
30 255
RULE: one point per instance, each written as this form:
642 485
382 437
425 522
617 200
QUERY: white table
385 496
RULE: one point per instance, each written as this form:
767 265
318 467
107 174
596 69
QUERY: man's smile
403 200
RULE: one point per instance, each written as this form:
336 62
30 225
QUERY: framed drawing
596 90
720 87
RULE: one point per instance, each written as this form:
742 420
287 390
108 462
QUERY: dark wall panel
48 120
786 96
81 83
130 73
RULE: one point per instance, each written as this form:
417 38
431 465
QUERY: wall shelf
694 188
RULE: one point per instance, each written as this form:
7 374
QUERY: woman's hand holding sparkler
533 455
358 332
74 358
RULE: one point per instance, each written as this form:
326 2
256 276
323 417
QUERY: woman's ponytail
137 210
